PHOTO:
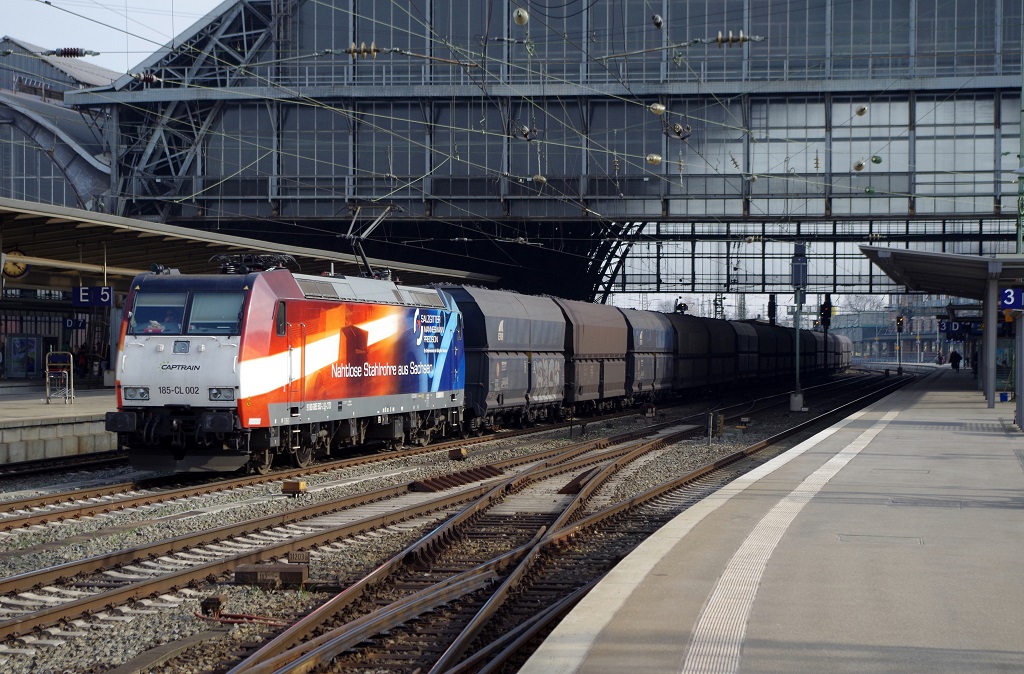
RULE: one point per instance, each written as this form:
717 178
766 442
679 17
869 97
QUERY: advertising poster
24 357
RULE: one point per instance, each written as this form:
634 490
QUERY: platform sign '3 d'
1011 298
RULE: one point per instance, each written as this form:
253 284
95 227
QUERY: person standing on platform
954 360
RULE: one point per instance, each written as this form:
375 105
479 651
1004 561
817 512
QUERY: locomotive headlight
222 393
135 392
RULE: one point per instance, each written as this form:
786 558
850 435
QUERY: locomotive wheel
303 456
260 462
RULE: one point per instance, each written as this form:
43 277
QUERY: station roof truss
66 247
580 234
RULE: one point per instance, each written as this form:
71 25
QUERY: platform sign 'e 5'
92 296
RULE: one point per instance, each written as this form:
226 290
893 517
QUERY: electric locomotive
229 371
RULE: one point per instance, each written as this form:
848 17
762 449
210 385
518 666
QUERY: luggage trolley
60 376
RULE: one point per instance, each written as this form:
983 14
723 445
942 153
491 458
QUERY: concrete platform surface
891 542
28 404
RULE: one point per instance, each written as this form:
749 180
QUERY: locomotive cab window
281 320
157 313
215 313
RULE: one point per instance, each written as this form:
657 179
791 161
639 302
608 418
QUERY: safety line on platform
718 635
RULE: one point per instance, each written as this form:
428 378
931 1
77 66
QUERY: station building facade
596 150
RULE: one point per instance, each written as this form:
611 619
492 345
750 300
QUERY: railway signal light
826 311
899 323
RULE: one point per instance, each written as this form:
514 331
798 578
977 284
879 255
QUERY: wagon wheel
303 456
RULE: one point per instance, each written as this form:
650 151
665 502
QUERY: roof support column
988 350
1018 368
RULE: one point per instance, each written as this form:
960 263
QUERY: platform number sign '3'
1011 298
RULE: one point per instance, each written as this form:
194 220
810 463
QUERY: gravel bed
12 489
37 547
104 648
684 457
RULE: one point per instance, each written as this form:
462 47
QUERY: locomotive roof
361 289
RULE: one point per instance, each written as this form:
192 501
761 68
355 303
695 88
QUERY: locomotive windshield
208 313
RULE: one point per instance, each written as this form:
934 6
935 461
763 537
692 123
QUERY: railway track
59 506
89 502
43 598
159 571
93 461
433 628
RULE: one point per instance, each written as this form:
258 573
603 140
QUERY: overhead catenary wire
455 157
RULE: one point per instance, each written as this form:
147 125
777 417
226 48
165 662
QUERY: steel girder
157 160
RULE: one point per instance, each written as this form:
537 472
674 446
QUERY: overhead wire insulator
145 78
654 159
657 21
731 39
71 52
681 132
363 50
657 108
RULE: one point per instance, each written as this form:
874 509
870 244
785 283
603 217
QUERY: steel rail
26 623
321 649
489 659
287 646
92 460
93 509
33 579
560 532
23 582
288 653
462 642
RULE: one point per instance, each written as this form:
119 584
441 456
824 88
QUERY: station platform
31 428
890 542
